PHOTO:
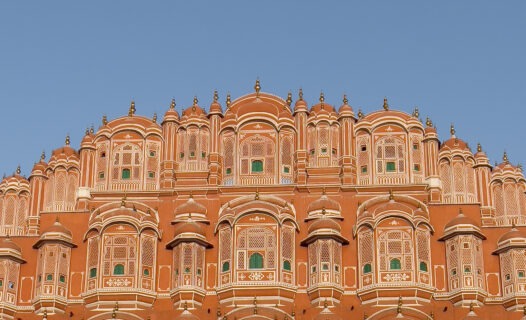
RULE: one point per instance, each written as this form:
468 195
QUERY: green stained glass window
423 266
49 277
286 265
256 261
118 270
92 272
257 166
367 268
390 167
226 266
395 264
126 173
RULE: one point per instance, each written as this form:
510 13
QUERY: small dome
345 108
513 234
41 166
171 115
195 111
460 219
56 233
8 244
215 107
10 250
324 224
300 105
324 204
57 227
190 207
461 224
454 143
189 227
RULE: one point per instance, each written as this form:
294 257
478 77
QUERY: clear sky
64 64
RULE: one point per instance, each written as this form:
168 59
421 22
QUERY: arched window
367 268
126 174
118 270
256 261
92 272
423 266
257 166
395 264
226 266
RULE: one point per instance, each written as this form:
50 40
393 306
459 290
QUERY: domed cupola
193 112
455 144
506 167
215 107
323 110
88 138
171 115
301 105
461 224
65 155
10 250
323 206
511 239
430 129
324 228
189 231
16 181
346 109
191 208
40 167
57 233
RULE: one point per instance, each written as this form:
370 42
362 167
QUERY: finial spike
416 112
154 119
289 98
172 104
360 114
228 102
87 131
345 101
479 147
104 120
257 87
216 96
131 112
67 140
43 155
195 101
386 105
322 98
452 130
505 157
91 130
429 123
300 95
18 170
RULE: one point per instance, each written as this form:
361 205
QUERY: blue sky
63 64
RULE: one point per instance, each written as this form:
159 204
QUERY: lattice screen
257 239
395 244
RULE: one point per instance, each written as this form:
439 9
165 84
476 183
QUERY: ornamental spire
452 130
479 147
300 95
131 112
345 101
228 100
67 140
386 105
43 155
172 104
257 87
416 112
216 96
289 99
104 120
505 157
429 123
195 101
18 170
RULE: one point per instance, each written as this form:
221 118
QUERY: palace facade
267 210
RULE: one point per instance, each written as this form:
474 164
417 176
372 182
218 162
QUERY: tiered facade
266 210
